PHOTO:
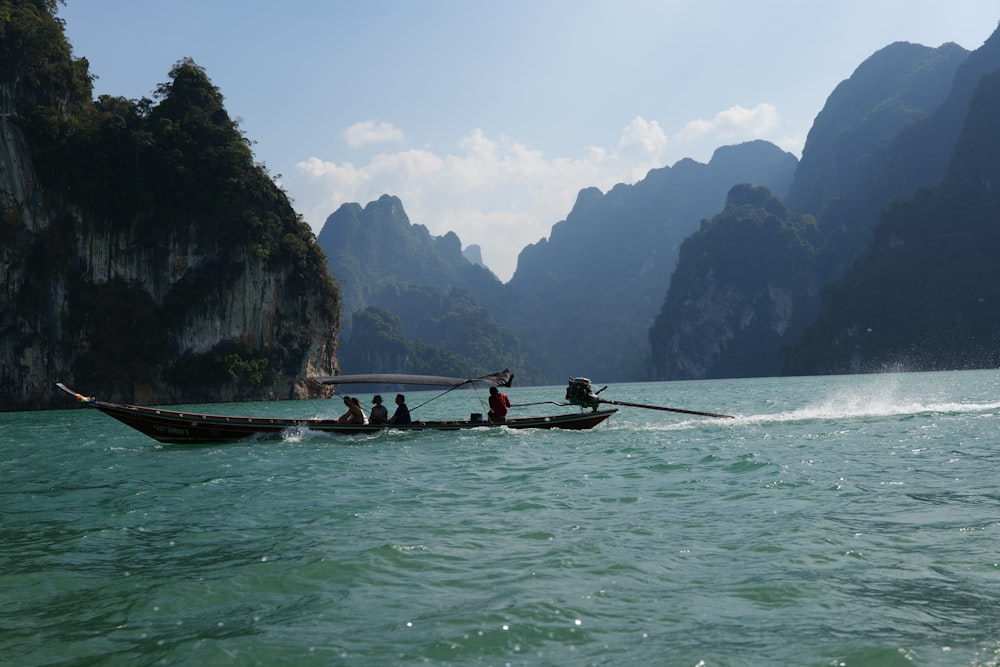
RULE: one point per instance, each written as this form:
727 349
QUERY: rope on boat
434 398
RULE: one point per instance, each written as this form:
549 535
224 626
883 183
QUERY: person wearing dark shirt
499 403
402 414
379 414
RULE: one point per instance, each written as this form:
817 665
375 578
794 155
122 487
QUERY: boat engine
579 392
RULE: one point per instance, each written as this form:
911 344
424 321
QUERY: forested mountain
919 156
466 339
926 293
376 246
858 128
845 149
144 253
580 301
425 296
377 344
844 178
587 295
865 149
744 286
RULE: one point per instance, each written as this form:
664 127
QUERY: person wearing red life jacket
499 403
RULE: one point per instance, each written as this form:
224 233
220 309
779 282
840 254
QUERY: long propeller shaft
666 409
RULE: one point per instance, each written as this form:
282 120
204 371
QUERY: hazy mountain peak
474 254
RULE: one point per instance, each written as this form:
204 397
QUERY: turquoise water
837 521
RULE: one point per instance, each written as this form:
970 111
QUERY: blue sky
486 118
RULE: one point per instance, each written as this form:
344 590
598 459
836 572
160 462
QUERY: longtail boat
185 427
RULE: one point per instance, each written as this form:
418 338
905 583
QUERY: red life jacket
499 404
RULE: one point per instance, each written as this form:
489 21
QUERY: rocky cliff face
24 366
720 322
17 180
151 315
741 291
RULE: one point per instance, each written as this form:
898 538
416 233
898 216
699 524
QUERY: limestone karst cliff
143 254
741 291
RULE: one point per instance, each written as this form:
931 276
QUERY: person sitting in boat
379 414
402 414
354 414
499 403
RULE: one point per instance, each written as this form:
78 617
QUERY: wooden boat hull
176 427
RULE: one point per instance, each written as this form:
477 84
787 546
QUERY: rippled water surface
836 521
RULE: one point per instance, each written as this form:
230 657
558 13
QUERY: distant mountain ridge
590 298
588 294
368 248
595 284
905 147
894 87
418 295
605 295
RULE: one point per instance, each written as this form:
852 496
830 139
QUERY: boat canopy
502 378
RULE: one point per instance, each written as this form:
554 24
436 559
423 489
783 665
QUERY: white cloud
371 132
732 125
496 191
640 141
793 143
642 136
